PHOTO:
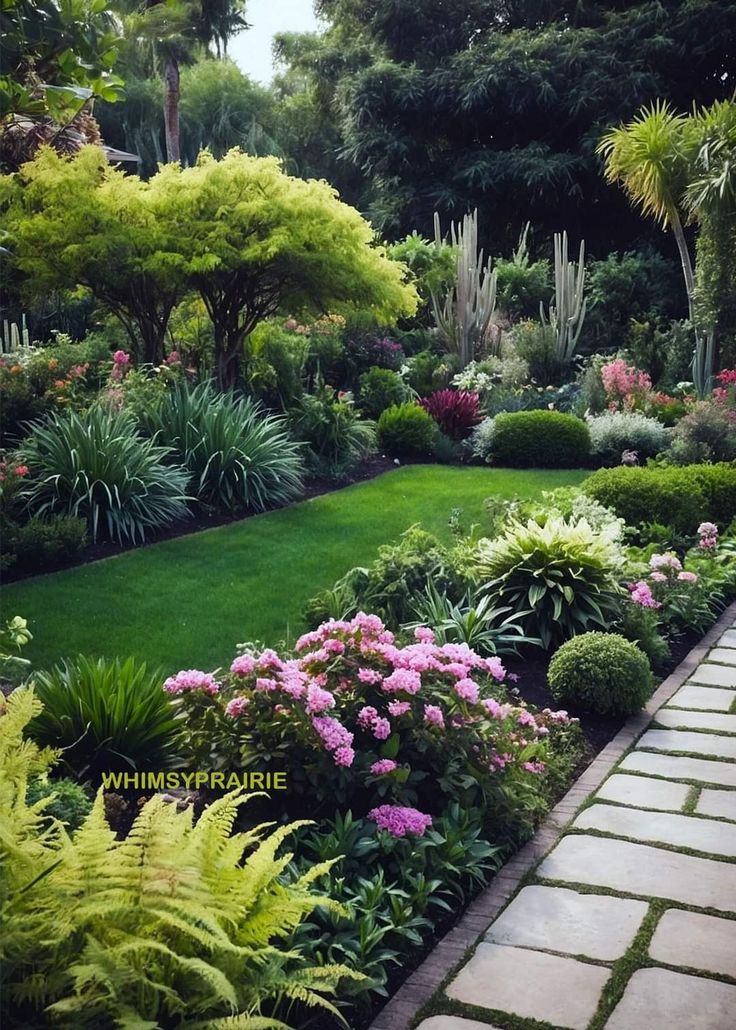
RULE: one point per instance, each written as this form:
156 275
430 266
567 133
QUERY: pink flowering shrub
354 717
683 599
626 387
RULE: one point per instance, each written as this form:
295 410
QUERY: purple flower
243 665
383 767
433 715
191 680
318 700
399 821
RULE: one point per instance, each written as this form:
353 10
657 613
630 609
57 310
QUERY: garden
346 513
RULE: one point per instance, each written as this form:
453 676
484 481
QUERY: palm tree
648 158
176 29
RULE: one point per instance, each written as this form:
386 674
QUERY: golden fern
178 921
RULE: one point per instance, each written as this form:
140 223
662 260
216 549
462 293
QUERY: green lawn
188 602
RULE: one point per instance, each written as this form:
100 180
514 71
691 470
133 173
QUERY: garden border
417 990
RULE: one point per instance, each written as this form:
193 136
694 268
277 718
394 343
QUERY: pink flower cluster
641 594
120 364
383 767
400 821
625 385
708 533
189 680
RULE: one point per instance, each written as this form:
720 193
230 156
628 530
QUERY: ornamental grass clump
560 577
456 412
601 673
98 467
354 718
239 458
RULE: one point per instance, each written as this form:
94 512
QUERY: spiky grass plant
105 715
98 467
240 459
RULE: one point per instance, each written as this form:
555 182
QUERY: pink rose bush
353 716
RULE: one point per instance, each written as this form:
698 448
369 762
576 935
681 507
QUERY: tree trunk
171 109
228 367
687 267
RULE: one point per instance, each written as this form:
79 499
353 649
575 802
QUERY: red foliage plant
456 412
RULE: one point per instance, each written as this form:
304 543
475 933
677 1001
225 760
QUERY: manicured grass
187 602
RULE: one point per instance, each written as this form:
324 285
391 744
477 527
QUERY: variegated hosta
560 578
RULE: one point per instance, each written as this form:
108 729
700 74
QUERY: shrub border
419 988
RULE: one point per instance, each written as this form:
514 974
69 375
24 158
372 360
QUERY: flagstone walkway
629 922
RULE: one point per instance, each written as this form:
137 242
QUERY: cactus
464 314
703 363
567 311
13 337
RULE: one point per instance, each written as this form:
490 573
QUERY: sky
251 50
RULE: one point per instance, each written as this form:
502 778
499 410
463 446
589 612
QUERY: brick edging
424 981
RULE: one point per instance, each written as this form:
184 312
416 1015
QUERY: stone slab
658 999
719 803
642 870
724 655
714 699
453 1023
728 639
693 743
677 767
557 919
644 793
531 984
674 718
679 831
714 676
696 941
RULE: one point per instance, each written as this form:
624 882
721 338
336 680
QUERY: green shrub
559 577
617 431
68 800
337 438
537 345
97 467
706 433
428 372
680 498
239 458
380 388
406 430
540 439
45 541
602 673
106 715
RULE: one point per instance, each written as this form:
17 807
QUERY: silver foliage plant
464 314
567 310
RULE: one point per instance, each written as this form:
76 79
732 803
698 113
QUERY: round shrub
239 458
540 439
602 673
406 429
69 801
380 388
98 467
680 497
617 431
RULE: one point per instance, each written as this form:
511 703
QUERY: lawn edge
419 988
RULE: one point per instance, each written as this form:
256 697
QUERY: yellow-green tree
254 240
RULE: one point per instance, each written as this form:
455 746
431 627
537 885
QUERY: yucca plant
98 467
488 629
105 715
240 459
560 576
176 924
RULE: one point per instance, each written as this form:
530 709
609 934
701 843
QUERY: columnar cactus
567 311
464 314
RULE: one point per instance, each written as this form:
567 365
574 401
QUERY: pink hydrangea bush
354 717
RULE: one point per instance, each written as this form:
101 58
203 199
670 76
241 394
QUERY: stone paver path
630 921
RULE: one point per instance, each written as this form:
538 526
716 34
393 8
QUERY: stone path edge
450 952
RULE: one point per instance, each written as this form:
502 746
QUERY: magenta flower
468 690
434 716
399 821
424 635
383 767
344 756
243 665
398 708
333 733
236 707
318 700
369 676
403 679
641 594
367 716
189 680
381 729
